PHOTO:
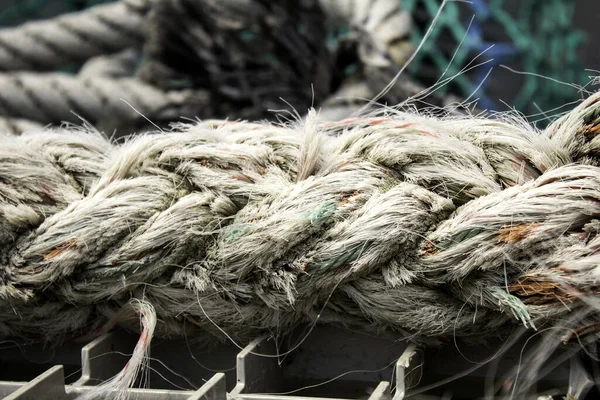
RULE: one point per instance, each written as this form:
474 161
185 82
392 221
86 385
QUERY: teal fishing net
535 36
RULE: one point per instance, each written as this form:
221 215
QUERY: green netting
537 35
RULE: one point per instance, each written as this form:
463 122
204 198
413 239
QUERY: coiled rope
98 99
236 59
73 38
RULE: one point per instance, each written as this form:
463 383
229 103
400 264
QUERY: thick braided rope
432 228
119 65
75 37
56 98
17 126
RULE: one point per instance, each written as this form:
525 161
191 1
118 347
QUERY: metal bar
381 392
95 368
49 385
135 394
8 387
401 365
214 389
256 373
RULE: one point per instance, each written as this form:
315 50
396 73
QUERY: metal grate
330 363
177 365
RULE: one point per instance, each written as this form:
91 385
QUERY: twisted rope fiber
428 227
98 99
206 58
110 102
17 126
75 37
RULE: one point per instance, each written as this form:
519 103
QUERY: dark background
502 84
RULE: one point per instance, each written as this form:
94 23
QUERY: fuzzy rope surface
429 227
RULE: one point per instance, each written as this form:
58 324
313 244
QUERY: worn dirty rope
428 227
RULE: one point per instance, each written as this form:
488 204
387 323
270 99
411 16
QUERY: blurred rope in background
15 12
534 36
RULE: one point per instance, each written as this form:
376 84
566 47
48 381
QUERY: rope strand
73 38
432 228
56 98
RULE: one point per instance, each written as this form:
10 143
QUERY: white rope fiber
129 48
99 99
72 38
